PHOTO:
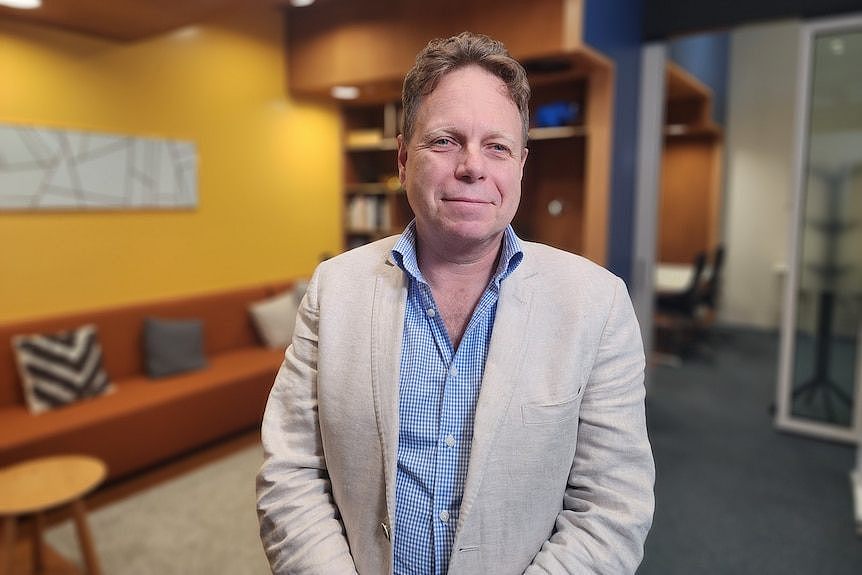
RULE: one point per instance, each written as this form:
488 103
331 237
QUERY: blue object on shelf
557 114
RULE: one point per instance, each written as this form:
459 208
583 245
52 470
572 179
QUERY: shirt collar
404 254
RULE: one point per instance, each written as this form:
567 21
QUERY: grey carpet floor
733 495
201 523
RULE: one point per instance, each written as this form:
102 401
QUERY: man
456 400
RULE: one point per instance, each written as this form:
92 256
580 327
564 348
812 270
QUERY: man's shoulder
565 266
362 259
568 283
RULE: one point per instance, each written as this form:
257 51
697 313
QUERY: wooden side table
33 487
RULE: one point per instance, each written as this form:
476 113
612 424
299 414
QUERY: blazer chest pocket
544 413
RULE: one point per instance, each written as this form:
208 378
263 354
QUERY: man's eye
500 148
442 142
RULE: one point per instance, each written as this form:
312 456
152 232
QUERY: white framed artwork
57 169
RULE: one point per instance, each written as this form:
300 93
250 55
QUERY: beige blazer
560 478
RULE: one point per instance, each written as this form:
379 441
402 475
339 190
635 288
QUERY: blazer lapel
502 366
390 297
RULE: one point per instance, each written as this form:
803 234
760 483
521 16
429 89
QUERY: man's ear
401 158
524 153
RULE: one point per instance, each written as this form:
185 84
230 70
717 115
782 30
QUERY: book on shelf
362 138
368 213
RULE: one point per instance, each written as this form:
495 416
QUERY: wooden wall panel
688 212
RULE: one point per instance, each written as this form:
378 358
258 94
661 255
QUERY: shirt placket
458 403
442 492
440 417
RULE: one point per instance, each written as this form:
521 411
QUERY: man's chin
471 233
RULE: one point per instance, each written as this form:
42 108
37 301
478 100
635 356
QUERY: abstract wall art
56 169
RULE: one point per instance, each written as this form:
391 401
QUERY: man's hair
444 55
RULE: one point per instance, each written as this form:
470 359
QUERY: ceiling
123 20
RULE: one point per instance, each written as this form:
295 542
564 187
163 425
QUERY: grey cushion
173 346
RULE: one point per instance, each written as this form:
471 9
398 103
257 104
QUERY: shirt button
450 441
453 371
430 312
444 516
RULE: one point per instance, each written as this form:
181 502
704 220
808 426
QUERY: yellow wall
268 171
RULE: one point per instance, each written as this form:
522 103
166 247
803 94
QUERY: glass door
819 371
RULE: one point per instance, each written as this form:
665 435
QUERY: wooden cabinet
689 213
564 201
375 41
565 190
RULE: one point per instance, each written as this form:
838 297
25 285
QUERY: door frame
784 418
648 186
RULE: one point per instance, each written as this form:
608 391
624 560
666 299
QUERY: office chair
684 302
675 317
710 288
708 297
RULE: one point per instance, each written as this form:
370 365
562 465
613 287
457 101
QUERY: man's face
462 167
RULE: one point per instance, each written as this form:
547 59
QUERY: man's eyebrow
442 130
502 136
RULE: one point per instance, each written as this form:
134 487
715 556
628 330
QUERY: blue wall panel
706 56
614 28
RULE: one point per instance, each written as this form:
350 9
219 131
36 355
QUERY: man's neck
443 265
457 280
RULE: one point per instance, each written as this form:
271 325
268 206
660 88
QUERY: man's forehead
470 90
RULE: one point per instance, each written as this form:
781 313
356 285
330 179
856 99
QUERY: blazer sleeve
300 526
608 502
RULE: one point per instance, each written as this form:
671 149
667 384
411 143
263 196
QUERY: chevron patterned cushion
60 368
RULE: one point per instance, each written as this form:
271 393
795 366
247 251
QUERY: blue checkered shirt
439 388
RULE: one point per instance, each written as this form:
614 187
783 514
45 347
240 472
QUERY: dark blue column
706 57
614 27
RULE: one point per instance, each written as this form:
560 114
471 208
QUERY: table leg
8 556
85 539
38 543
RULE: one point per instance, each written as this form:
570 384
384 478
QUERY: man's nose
471 164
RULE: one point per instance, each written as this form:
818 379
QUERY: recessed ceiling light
22 4
345 92
301 3
837 46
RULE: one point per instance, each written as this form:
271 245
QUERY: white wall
760 129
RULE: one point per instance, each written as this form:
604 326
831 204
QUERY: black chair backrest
686 301
696 277
709 292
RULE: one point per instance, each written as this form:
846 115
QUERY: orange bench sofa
146 421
